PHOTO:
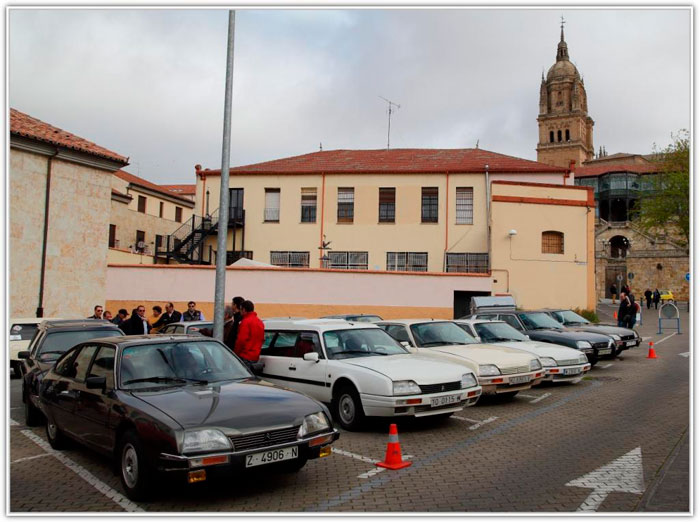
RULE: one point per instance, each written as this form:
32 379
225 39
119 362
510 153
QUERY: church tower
566 130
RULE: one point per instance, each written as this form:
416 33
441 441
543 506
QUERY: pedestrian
122 315
169 316
107 316
229 340
624 310
97 312
657 298
648 295
613 292
157 311
236 304
251 335
634 308
192 314
137 324
626 289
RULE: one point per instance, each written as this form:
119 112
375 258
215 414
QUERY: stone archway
619 245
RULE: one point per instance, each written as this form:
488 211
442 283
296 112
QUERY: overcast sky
149 84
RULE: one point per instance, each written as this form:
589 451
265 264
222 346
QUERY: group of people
627 312
244 332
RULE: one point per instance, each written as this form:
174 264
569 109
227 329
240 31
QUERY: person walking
137 324
169 316
613 292
648 295
153 319
624 310
251 335
192 314
122 316
634 308
657 298
97 312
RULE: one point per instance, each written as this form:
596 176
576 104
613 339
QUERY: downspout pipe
47 201
488 213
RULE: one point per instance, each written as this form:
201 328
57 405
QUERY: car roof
134 340
342 316
318 325
82 324
413 321
478 321
34 320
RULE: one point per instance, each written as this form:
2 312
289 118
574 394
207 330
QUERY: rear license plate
604 351
631 343
519 380
572 371
442 401
268 457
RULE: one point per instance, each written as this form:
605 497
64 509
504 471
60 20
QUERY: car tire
32 415
135 471
17 370
347 408
55 436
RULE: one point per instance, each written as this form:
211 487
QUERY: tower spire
562 48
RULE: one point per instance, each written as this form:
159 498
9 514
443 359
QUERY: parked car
562 364
21 333
624 338
540 326
666 295
360 318
52 339
180 405
362 372
190 327
501 370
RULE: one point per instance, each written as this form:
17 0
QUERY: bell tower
565 129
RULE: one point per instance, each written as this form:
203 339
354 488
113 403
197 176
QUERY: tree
666 208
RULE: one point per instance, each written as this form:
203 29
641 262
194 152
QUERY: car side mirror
96 383
23 355
311 356
406 344
257 367
527 337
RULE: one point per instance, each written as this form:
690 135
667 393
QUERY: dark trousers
648 303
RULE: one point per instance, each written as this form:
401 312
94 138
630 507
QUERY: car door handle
293 368
69 394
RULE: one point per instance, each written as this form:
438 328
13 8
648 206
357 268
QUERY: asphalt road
613 443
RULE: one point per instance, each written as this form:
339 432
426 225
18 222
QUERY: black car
51 340
357 318
180 405
625 338
540 326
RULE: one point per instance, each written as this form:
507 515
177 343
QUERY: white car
21 333
562 364
501 370
361 371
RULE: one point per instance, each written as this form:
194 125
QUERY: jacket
166 318
251 335
134 325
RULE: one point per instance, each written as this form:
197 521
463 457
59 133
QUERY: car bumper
626 345
419 405
509 383
572 373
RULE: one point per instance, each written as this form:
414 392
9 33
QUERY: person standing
613 292
192 314
122 315
107 316
624 310
251 335
157 311
169 316
137 324
236 304
97 312
648 295
657 298
634 308
229 339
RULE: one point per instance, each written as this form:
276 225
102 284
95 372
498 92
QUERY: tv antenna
388 134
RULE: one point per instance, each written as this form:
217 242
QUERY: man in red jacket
251 334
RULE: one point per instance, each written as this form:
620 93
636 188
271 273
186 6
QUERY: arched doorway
618 247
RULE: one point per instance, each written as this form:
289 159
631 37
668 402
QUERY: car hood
242 405
559 353
501 356
606 329
568 334
413 367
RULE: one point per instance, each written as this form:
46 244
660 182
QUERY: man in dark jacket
657 298
613 292
229 333
169 316
137 324
192 314
648 295
122 316
624 310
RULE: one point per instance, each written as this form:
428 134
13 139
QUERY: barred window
272 205
407 261
429 205
347 260
465 205
552 242
346 205
466 262
289 259
387 205
308 205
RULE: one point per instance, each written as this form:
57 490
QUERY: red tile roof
130 178
117 193
395 161
24 125
185 190
599 170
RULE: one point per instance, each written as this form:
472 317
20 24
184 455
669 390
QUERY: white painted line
17 408
480 424
527 396
541 397
13 422
88 477
646 338
667 337
377 470
465 419
30 458
607 365
686 354
354 456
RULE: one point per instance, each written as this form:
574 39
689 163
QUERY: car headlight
582 359
468 380
313 423
406 388
205 440
486 370
584 344
616 337
548 361
535 365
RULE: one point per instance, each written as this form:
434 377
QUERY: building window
407 261
289 259
178 214
429 205
159 242
567 135
467 262
551 136
347 260
552 242
112 236
308 205
558 135
272 205
346 205
387 205
465 205
142 204
160 210
140 241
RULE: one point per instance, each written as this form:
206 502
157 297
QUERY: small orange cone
392 460
614 315
652 353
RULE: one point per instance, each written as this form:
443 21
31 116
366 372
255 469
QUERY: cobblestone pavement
612 443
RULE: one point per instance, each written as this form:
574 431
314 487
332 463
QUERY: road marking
624 474
354 456
667 337
88 477
13 422
376 470
528 396
475 423
17 408
465 419
541 397
686 354
30 458
645 338
607 365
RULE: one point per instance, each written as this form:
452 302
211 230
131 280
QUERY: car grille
628 337
442 387
514 369
568 362
264 439
601 345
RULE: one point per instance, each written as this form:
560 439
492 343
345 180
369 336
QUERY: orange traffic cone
652 353
392 460
614 315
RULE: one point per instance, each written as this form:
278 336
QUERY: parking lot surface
616 442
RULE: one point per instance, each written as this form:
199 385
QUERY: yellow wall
152 202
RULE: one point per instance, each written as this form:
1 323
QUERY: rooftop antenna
320 146
477 144
388 134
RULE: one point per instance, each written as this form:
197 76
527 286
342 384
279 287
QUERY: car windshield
57 343
178 363
538 321
440 333
363 318
498 333
365 342
570 317
22 332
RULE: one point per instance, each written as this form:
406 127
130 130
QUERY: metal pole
222 234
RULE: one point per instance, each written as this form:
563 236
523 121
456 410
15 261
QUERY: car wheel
347 408
134 469
16 370
32 415
55 436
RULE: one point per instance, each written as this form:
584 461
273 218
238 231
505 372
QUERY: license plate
445 399
631 343
268 457
604 351
572 371
520 379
